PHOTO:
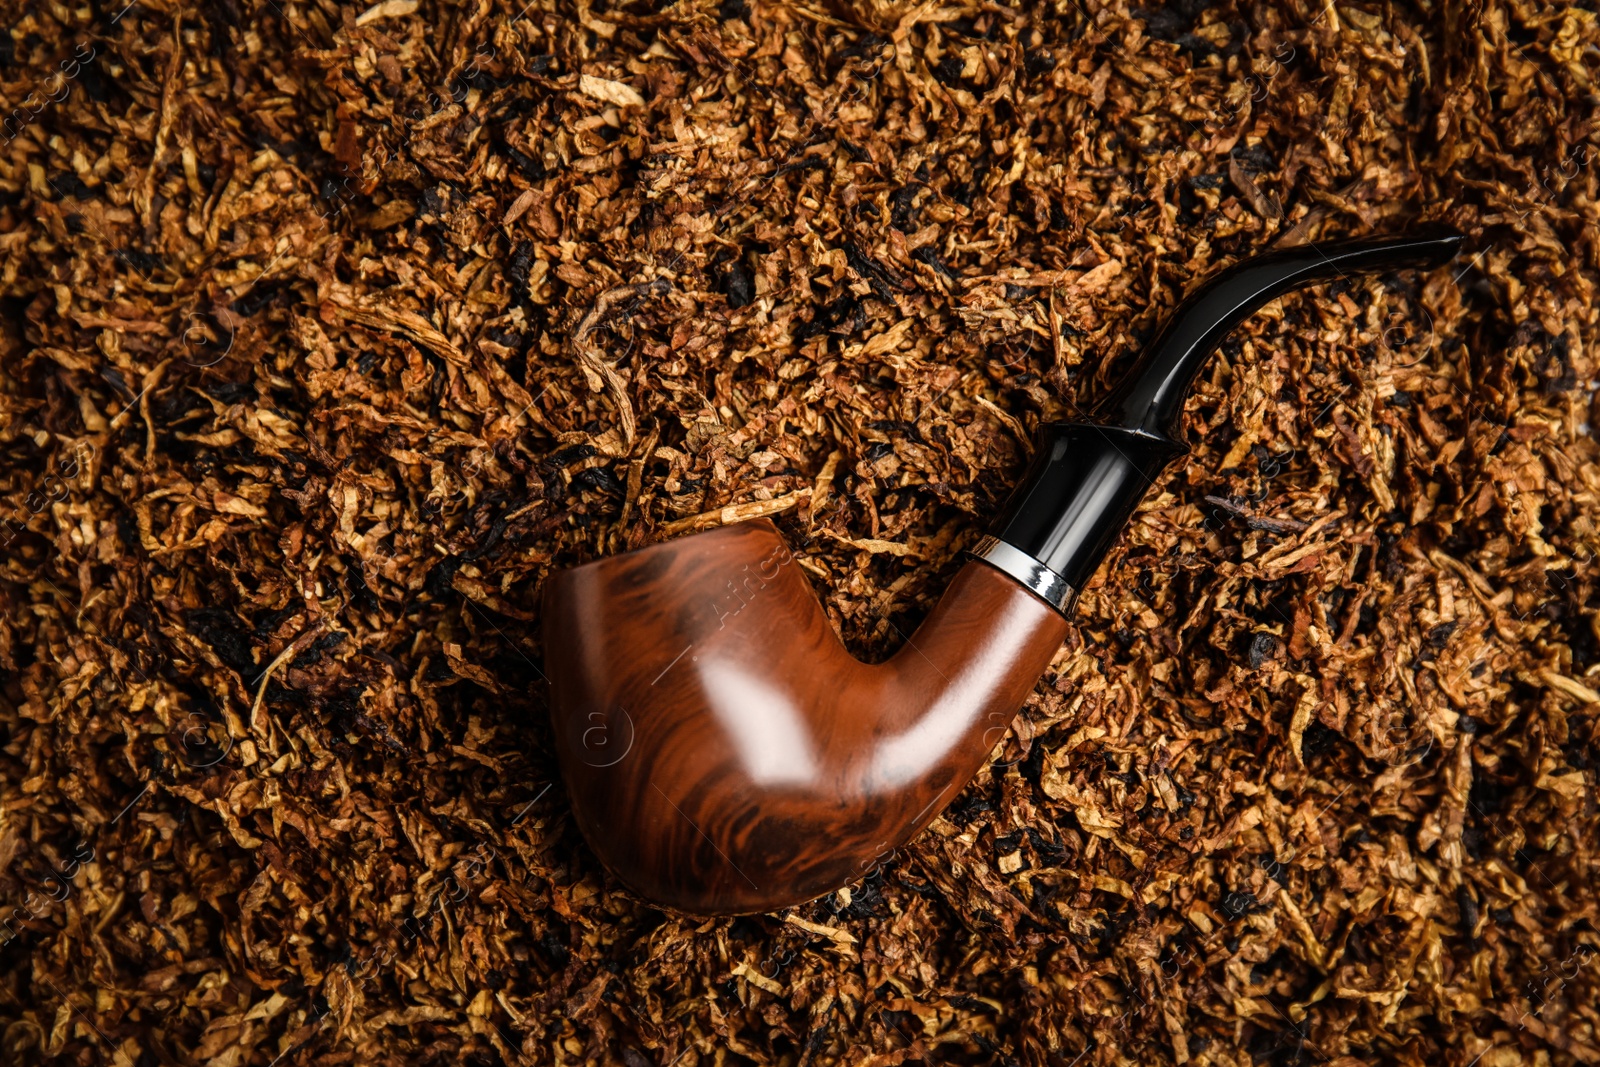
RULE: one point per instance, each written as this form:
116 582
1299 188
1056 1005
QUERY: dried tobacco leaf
330 333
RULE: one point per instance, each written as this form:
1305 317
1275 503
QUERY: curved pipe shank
1150 399
725 753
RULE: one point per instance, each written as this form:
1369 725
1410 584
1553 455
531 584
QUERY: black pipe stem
1086 478
1150 399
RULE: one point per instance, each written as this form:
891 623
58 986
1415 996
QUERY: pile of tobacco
327 335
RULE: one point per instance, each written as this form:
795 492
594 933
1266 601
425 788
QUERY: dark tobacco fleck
225 634
69 184
929 255
139 261
1319 740
1164 24
740 286
441 576
318 649
1236 905
563 457
871 271
598 478
900 207
261 295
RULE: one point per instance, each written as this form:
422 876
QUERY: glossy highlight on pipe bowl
767 760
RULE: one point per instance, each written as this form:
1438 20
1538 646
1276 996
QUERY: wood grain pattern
726 754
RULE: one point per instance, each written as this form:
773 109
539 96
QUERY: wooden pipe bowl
726 754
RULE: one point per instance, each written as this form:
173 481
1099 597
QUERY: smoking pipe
726 754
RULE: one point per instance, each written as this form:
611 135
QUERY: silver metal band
1034 576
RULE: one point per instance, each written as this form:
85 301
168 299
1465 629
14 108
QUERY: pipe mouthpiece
1150 399
1086 478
